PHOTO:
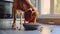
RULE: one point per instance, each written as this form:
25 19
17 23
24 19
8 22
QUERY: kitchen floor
5 28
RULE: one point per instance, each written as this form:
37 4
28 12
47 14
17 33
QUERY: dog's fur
31 16
24 5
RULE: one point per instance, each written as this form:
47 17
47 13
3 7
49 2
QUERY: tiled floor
46 29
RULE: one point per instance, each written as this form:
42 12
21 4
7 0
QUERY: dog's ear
29 9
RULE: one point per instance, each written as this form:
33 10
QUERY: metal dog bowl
30 26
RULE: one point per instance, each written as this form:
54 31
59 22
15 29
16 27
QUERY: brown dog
23 5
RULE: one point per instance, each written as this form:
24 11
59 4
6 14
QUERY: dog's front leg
14 19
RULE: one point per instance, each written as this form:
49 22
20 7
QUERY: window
45 7
57 6
48 8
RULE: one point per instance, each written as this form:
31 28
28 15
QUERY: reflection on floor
5 28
